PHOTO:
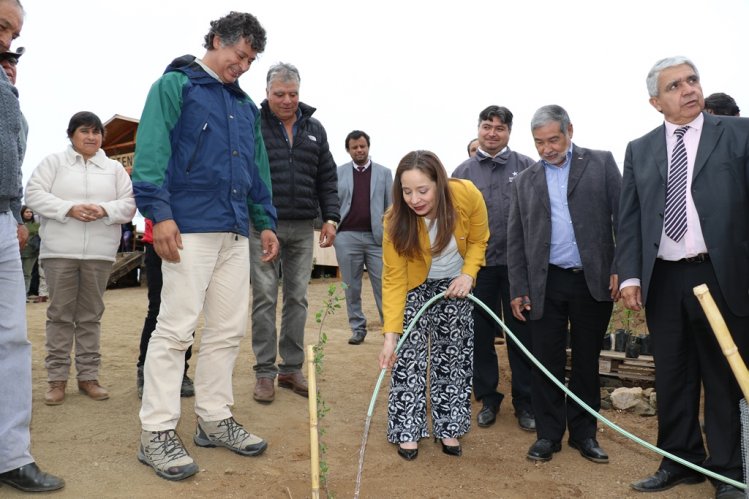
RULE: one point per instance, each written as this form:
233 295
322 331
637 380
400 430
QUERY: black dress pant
493 289
154 280
688 358
568 306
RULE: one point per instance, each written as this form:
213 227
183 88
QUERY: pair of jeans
15 353
293 270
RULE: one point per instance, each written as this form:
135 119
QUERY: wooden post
314 447
724 337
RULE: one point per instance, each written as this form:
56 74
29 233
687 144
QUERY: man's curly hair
233 26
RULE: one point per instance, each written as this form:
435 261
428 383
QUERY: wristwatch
333 223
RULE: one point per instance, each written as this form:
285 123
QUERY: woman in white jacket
82 197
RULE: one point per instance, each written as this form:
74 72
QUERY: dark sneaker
230 434
357 338
187 389
163 451
139 381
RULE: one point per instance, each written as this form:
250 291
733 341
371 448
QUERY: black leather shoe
408 454
29 478
664 480
452 450
726 491
543 449
590 450
487 415
526 420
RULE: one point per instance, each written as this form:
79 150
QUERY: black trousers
153 278
568 305
493 288
688 357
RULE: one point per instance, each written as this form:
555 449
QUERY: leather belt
701 258
571 270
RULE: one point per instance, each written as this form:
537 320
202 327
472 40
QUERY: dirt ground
93 444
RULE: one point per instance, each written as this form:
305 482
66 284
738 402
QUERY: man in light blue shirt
560 259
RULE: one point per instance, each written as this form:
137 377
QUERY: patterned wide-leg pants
442 339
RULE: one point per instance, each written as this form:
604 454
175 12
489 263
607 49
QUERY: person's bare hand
519 305
86 212
269 243
387 355
167 240
632 296
459 287
327 235
614 287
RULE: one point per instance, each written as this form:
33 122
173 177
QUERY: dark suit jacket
593 197
720 189
380 192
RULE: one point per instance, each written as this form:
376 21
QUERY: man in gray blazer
684 221
560 255
364 192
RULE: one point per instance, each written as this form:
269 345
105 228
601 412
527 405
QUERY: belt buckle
702 257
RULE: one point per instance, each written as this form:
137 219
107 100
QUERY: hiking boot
139 381
230 434
187 389
163 451
93 389
264 390
357 338
55 393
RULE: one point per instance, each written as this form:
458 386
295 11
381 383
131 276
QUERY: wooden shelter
119 144
119 139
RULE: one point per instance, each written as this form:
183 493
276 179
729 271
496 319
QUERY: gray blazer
593 197
720 190
380 195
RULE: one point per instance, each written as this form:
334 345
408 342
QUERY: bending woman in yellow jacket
435 239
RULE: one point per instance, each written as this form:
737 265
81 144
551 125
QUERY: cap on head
13 56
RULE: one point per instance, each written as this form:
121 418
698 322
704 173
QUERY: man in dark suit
684 221
492 170
560 255
364 193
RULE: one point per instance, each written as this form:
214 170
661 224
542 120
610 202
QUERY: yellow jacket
401 274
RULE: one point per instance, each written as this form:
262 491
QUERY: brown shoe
92 388
55 393
264 390
295 381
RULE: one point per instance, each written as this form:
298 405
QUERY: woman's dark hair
403 223
233 26
84 118
23 209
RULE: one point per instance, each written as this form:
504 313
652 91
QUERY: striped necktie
676 189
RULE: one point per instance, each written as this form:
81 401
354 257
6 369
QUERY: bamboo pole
725 340
314 446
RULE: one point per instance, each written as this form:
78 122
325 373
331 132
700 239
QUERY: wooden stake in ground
314 446
724 337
